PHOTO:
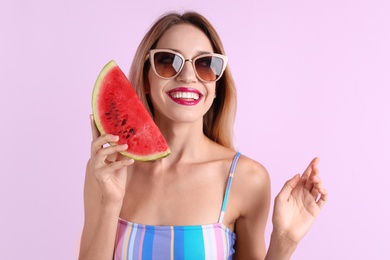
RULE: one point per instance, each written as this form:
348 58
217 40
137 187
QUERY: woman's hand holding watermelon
104 189
108 166
298 205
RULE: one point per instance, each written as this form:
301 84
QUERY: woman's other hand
298 204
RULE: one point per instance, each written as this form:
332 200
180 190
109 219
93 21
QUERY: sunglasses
168 64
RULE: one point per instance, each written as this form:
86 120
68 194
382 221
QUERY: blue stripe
147 248
193 243
178 242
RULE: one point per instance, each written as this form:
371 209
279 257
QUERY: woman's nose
187 74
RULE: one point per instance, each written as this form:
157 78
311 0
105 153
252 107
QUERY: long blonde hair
219 120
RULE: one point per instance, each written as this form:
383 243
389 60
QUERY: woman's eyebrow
197 53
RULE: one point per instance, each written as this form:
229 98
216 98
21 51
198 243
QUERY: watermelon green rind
160 147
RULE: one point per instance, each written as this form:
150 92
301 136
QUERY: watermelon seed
124 121
132 130
125 131
127 136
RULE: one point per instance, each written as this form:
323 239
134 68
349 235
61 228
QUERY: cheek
156 88
211 90
155 82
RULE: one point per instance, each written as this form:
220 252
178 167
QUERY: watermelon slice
118 110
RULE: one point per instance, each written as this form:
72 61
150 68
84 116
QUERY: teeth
185 95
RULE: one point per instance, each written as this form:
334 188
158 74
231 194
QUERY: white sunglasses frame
222 57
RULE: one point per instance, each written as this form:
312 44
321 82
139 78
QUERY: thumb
287 188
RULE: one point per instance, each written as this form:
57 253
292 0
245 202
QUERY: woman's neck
186 140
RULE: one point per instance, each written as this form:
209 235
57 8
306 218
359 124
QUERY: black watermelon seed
132 130
124 121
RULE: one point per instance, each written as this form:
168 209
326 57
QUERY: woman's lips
185 96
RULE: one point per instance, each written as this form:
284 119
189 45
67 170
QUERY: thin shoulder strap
228 185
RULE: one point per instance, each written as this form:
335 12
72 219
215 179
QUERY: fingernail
130 161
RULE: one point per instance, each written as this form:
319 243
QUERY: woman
205 200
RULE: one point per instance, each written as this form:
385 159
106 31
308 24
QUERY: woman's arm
296 207
104 190
252 187
100 222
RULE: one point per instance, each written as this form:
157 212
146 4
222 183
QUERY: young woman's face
183 98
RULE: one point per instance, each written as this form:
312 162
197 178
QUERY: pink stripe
121 230
218 240
141 244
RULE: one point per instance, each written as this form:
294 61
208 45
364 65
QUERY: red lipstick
185 96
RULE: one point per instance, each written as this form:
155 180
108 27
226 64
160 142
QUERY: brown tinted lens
209 68
167 64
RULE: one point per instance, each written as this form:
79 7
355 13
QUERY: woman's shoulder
250 169
246 169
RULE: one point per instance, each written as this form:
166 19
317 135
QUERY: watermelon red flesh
118 110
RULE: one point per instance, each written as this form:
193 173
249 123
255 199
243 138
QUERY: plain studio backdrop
312 76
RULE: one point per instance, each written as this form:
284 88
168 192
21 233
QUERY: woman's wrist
111 207
280 247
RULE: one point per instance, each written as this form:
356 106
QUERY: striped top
212 241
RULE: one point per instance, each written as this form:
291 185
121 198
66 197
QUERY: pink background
313 79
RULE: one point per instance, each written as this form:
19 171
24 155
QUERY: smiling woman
190 78
206 200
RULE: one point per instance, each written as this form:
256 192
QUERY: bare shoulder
251 171
252 183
